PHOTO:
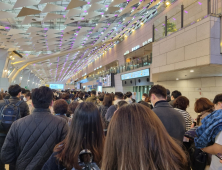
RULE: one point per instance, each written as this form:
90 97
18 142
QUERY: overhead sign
137 74
56 86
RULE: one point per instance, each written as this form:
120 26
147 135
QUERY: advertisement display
56 86
137 74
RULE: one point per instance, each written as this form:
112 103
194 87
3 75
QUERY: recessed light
191 71
177 78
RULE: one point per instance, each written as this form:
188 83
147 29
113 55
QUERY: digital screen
137 74
56 86
107 81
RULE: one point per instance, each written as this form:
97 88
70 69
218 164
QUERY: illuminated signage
137 74
135 48
107 81
127 52
147 42
57 86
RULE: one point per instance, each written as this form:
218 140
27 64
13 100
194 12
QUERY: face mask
24 99
143 98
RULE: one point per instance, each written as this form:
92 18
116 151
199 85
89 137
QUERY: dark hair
128 94
218 98
147 97
28 94
60 106
121 103
155 149
80 95
101 97
86 132
72 106
119 95
113 96
65 96
159 91
23 91
14 90
181 103
107 101
168 91
93 92
42 97
176 94
1 96
144 103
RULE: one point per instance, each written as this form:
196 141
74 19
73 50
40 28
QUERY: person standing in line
181 104
212 123
100 100
72 107
111 110
15 94
86 132
28 99
174 96
92 98
22 98
129 97
107 102
60 108
146 99
80 97
203 107
171 119
168 95
30 140
139 148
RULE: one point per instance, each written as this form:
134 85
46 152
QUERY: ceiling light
177 78
191 71
167 3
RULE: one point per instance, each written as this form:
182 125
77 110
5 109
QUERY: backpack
8 114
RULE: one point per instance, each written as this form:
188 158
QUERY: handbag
198 158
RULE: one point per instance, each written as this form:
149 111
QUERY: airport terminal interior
111 84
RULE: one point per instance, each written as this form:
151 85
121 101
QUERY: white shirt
215 162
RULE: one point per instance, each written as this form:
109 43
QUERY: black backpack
9 113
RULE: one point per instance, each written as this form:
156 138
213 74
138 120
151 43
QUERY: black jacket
24 108
171 119
30 140
103 110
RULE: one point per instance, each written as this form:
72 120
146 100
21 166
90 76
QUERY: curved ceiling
39 28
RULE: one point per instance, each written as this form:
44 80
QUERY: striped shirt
187 117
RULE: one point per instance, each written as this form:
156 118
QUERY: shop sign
127 52
147 42
135 48
150 40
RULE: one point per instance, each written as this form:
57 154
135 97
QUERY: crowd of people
74 130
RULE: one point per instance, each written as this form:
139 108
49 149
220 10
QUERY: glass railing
183 15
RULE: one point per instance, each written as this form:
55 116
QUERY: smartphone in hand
219 155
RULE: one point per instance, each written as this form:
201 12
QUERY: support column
165 26
182 13
4 83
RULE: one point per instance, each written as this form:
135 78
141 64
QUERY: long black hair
86 132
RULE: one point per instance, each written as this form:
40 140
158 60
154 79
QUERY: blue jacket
207 132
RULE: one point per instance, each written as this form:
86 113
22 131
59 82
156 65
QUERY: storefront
139 81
